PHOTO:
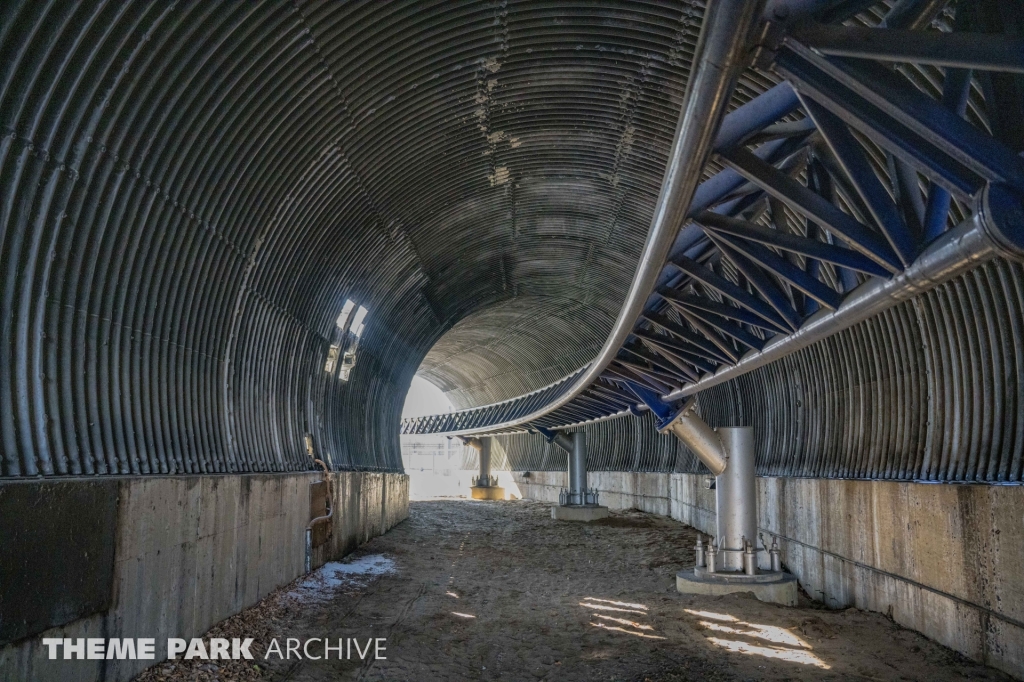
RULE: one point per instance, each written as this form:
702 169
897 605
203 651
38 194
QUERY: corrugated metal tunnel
231 235
193 192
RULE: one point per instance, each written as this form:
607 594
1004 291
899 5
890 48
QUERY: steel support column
736 497
483 447
728 452
484 479
558 438
578 468
576 448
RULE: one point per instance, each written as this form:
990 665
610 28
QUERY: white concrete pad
579 513
779 592
491 492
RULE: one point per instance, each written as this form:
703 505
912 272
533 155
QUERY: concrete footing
491 492
579 512
778 591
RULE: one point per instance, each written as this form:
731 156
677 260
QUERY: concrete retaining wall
945 560
194 550
618 489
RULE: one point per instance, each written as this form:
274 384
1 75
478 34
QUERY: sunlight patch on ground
463 615
624 630
623 621
791 655
615 603
602 607
714 616
625 626
769 633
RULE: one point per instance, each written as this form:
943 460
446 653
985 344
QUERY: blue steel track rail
848 187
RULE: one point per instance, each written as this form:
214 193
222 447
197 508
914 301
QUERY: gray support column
736 497
485 462
575 502
729 453
484 487
731 560
567 496
578 468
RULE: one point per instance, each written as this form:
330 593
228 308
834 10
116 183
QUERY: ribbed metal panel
190 191
577 110
932 389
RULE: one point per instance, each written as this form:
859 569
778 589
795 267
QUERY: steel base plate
738 577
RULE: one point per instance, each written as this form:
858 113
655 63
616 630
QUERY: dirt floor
498 590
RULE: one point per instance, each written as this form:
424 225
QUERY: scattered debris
272 617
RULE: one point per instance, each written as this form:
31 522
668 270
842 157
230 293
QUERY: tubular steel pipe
576 447
957 50
995 229
561 440
702 440
721 51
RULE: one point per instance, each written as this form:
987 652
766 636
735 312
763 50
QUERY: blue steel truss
846 171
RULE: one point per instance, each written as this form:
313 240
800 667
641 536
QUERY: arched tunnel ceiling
565 131
192 191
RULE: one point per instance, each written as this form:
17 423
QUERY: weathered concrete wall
945 560
193 550
618 489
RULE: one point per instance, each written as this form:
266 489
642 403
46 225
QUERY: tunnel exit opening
443 467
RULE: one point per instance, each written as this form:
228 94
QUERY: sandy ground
499 590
